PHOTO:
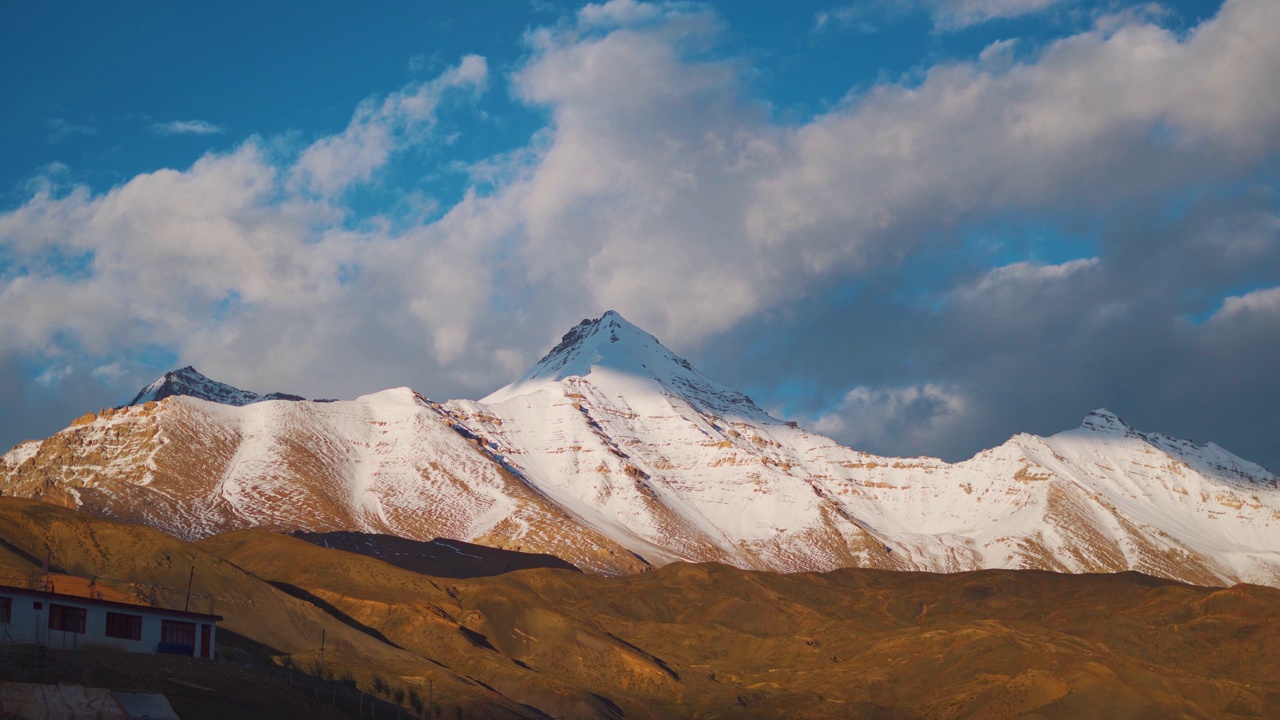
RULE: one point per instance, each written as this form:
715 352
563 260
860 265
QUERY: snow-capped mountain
611 347
187 381
615 454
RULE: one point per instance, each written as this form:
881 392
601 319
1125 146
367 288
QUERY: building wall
28 624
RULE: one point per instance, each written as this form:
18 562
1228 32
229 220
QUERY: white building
59 620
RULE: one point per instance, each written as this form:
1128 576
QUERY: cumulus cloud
616 13
1138 327
158 251
380 127
662 188
894 420
1260 302
1098 117
243 256
186 127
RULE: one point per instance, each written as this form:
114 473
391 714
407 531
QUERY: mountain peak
190 382
579 349
610 345
1105 422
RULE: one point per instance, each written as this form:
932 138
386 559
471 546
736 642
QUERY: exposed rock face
189 382
615 454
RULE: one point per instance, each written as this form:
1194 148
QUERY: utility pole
321 653
190 578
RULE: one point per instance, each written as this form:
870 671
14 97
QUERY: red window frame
67 618
124 626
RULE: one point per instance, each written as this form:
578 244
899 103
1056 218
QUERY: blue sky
97 83
917 225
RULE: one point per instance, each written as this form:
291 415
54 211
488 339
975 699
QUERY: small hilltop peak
1105 422
190 382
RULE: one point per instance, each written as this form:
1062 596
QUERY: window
122 625
6 609
66 618
176 632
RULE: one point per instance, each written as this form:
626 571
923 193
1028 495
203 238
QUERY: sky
918 226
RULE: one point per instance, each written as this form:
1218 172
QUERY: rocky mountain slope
617 455
189 382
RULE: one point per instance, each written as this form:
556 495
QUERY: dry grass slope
711 641
270 619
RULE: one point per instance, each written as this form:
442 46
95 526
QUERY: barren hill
714 641
257 614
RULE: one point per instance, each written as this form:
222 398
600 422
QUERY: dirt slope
269 618
711 641
714 641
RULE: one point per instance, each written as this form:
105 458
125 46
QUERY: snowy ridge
613 343
188 381
615 426
615 454
1105 422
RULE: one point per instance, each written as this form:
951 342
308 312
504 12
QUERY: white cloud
959 14
186 127
665 193
619 13
1096 118
380 127
54 375
164 247
851 18
1259 302
61 129
109 373
1003 285
893 420
998 55
659 189
947 15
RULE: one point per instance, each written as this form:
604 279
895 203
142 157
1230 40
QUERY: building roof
111 604
64 584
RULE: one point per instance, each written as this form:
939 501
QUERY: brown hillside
710 641
135 559
713 641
